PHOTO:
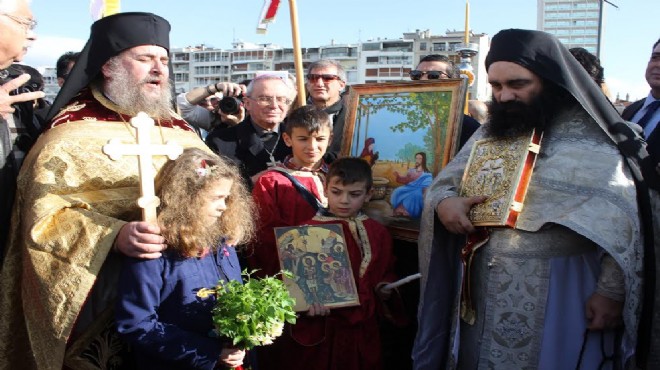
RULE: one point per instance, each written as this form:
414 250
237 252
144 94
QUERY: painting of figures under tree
408 132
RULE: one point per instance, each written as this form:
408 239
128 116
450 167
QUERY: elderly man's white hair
7 6
285 80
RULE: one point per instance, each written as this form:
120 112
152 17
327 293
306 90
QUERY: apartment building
574 22
376 60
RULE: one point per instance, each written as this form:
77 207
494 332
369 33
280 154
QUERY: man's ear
287 139
105 69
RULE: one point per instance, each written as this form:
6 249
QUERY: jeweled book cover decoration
500 169
318 259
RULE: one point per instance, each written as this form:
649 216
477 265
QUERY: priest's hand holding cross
142 239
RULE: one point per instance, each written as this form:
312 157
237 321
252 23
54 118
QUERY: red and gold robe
72 201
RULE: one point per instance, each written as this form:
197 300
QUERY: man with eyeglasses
439 67
326 80
17 26
16 35
255 144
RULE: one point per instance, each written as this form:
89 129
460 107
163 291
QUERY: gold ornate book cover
318 259
500 169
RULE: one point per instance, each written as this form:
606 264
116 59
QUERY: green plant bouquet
253 313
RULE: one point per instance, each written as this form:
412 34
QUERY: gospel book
500 169
318 259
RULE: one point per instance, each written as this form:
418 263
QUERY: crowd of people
85 283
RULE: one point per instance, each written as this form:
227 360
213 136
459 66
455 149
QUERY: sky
628 35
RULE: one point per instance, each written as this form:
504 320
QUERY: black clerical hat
548 58
544 55
110 36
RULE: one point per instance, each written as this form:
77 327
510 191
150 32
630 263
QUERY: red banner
268 13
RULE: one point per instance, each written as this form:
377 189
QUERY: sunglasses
432 75
312 77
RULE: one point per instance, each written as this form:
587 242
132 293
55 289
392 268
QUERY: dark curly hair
590 63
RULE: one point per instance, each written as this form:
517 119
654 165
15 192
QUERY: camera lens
229 105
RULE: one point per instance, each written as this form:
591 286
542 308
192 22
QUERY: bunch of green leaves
251 314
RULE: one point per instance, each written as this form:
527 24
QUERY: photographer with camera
216 105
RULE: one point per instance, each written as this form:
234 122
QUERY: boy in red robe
344 338
291 192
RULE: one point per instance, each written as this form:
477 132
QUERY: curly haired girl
205 209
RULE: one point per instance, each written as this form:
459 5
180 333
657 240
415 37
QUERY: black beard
514 118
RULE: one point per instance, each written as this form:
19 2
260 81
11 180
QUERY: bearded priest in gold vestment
76 210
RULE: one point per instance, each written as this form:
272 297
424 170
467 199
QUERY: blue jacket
160 315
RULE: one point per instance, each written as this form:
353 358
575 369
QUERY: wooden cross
145 151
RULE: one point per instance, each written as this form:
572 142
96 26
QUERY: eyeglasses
432 75
313 77
29 24
268 100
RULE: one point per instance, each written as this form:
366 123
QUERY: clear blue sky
629 32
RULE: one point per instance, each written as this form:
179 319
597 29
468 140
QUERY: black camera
230 104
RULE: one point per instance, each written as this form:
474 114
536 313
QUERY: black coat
653 140
242 144
469 126
632 109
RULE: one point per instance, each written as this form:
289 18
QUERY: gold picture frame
395 126
317 257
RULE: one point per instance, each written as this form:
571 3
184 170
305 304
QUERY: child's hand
318 309
383 292
232 357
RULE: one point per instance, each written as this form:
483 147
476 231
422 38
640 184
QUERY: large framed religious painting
407 131
317 257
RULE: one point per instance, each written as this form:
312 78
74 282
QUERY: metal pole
600 27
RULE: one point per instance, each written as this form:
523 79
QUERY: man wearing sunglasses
326 79
439 67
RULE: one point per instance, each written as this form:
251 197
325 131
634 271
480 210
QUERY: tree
407 153
421 111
